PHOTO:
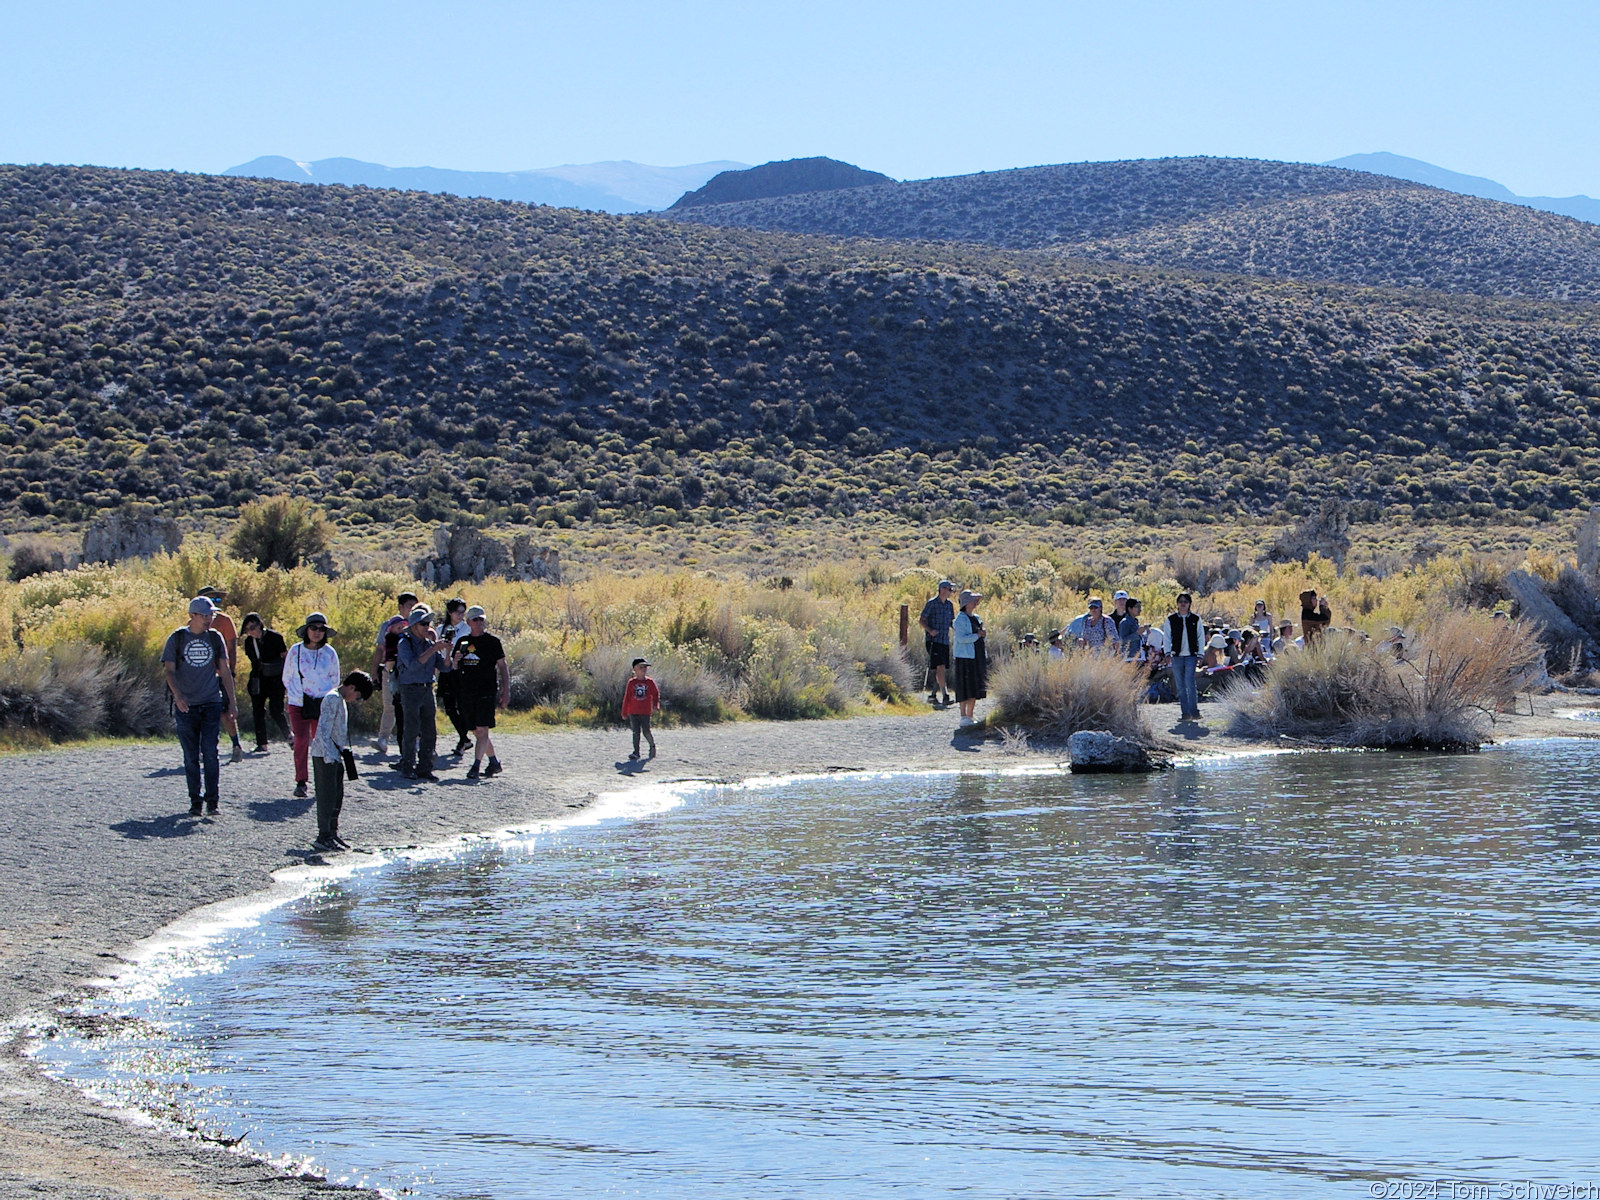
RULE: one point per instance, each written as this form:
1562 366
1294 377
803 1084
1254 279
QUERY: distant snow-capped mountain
614 187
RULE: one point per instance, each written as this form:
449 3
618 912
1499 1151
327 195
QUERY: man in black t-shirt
483 682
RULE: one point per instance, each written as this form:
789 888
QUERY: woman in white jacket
310 672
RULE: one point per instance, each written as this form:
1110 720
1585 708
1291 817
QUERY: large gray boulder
463 553
130 533
1098 750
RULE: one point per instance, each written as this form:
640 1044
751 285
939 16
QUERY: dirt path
96 856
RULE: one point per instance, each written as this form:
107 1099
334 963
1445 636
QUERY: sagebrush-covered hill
194 342
1282 220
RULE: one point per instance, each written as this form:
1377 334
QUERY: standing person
1186 639
195 661
480 659
417 660
938 614
223 624
1261 620
310 672
640 698
266 650
1095 630
971 657
328 750
455 628
1315 617
384 649
1128 629
1119 607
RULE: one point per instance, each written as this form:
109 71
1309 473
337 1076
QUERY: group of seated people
1230 653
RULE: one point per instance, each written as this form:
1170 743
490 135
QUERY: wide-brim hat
968 597
316 618
1218 642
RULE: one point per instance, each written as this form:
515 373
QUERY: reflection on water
1285 977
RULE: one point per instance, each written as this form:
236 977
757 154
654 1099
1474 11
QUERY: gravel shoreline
96 858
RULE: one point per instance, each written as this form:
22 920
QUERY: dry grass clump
76 691
1056 697
1352 692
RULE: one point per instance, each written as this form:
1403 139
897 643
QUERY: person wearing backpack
310 672
195 661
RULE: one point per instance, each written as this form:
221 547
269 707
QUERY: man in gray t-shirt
196 662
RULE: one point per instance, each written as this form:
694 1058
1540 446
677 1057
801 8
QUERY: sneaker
301 791
494 768
425 776
238 753
326 845
342 844
398 766
965 721
262 748
634 757
462 747
381 746
194 808
933 697
947 698
475 771
652 751
211 807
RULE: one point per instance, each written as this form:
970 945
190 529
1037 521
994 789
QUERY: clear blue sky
914 89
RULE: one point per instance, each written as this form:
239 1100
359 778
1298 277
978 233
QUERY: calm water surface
1286 977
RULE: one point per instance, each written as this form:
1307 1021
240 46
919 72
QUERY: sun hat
1218 642
476 613
316 618
201 606
420 615
967 597
212 591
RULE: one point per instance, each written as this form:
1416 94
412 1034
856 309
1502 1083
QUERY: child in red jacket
640 698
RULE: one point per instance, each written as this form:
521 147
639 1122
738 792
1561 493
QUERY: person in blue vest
1186 640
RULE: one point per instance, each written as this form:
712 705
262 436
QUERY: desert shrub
783 676
1350 691
606 668
689 691
856 650
274 593
29 559
75 691
280 531
539 675
1479 582
1057 697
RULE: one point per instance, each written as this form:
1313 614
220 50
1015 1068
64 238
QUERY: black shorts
938 653
477 712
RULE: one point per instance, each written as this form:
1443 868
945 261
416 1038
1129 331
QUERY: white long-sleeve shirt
308 672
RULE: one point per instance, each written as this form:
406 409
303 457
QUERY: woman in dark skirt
266 650
970 657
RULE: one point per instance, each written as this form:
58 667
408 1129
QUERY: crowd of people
420 662
1182 657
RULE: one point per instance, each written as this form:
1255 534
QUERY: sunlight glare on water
1284 977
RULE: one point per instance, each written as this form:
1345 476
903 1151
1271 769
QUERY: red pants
303 731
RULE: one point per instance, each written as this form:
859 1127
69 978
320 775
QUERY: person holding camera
331 758
417 660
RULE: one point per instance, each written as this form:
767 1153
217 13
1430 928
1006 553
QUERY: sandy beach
96 857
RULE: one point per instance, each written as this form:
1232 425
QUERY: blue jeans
1183 666
197 734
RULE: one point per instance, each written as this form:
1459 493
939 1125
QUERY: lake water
1290 976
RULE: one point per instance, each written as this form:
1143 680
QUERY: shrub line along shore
95 859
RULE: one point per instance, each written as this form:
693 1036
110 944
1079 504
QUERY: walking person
455 628
938 615
417 660
331 758
640 699
971 656
384 650
1186 639
310 672
480 660
195 662
266 650
223 624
